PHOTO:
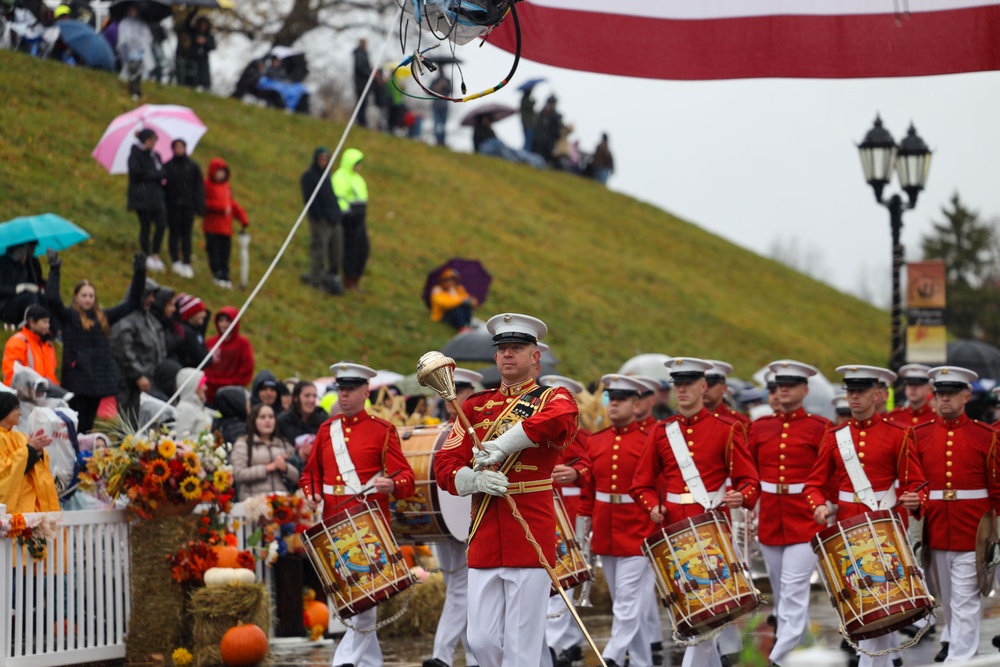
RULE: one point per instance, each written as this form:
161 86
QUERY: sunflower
191 462
221 480
191 488
158 470
182 657
167 449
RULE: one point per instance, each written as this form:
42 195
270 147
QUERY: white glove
584 525
496 451
469 481
27 287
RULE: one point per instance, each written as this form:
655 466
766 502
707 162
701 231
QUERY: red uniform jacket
646 425
913 418
958 454
374 448
577 452
886 452
619 528
719 450
497 539
785 446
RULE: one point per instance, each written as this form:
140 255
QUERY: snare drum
357 559
571 569
431 514
871 575
699 575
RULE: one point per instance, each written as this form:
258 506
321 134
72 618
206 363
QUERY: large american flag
732 39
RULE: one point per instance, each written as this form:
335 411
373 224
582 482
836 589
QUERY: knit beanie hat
188 305
8 401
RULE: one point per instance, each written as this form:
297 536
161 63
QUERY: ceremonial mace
437 372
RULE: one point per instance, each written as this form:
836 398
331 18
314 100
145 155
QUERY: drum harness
694 482
865 494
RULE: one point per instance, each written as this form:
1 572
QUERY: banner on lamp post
926 335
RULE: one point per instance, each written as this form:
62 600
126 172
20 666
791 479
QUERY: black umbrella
477 345
150 10
977 356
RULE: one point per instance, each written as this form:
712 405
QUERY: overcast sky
762 160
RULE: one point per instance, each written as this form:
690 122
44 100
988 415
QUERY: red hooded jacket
220 207
232 364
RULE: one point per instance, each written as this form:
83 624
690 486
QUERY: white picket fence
73 606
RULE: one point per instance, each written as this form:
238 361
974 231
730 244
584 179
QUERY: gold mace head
437 371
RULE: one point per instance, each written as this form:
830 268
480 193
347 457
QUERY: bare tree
283 22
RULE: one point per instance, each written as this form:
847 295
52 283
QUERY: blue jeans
440 120
459 316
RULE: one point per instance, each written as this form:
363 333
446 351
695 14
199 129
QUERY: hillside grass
610 275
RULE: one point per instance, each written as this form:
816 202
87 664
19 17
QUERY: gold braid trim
509 463
991 459
903 458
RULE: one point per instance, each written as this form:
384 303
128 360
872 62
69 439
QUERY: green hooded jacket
348 185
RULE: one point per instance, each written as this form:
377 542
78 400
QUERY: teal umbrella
48 230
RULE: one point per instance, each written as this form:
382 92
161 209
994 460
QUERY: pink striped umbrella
169 121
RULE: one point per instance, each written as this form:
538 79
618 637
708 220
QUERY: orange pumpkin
315 613
243 646
226 555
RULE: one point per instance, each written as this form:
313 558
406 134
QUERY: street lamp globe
878 154
913 163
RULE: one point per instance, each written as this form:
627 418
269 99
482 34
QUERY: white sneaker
158 264
150 263
227 284
178 268
188 271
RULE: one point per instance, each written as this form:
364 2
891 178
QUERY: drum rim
851 523
921 611
375 599
362 507
709 612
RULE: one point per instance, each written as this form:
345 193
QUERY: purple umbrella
473 276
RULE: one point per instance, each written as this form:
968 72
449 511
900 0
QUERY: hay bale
156 625
215 609
422 612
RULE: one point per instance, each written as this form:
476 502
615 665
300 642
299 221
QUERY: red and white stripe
732 39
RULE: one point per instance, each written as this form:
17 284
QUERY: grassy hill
611 276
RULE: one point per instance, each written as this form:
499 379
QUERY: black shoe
996 641
912 630
567 657
434 662
897 662
943 653
610 663
332 285
730 660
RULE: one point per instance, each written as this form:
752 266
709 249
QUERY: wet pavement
411 651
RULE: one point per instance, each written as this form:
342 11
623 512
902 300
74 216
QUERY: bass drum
431 514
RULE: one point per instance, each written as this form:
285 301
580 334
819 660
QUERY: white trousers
455 614
562 632
789 569
873 645
507 616
960 603
359 649
705 654
651 626
630 581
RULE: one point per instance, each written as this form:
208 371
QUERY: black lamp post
911 161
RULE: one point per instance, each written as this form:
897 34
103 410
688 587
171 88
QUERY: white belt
569 491
782 489
613 498
688 498
959 494
338 490
847 497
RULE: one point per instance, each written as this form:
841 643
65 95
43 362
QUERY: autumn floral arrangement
280 520
158 474
32 532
